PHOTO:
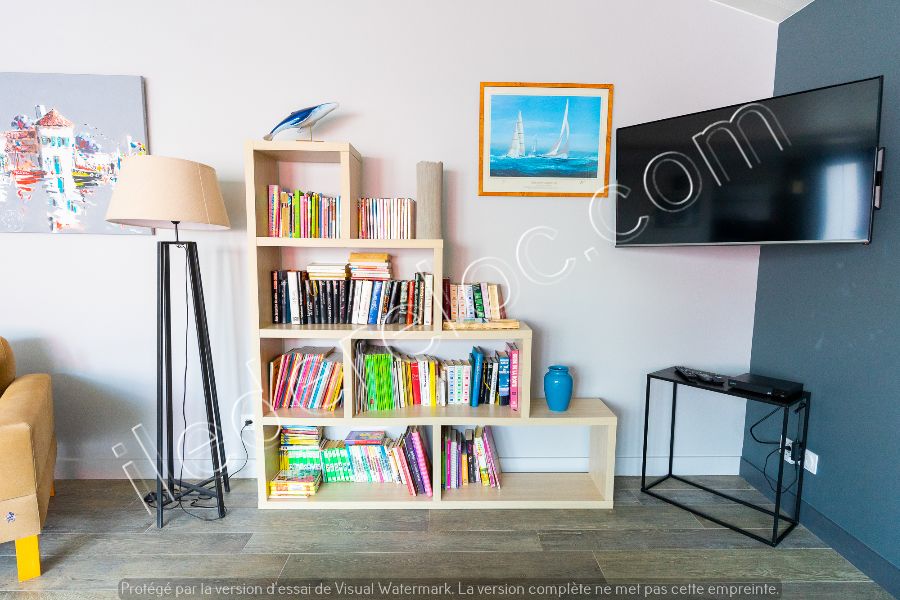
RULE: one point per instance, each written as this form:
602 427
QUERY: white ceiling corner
771 10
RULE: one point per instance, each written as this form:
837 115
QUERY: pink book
447 459
513 352
423 464
493 459
400 457
294 389
306 382
274 210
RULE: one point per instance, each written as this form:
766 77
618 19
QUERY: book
386 218
472 300
422 459
307 377
365 438
428 309
276 304
494 299
492 457
374 305
503 377
481 457
477 364
294 297
478 301
295 484
513 351
301 214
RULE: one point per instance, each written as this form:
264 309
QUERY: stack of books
469 458
299 298
466 301
386 218
307 378
370 265
295 484
301 435
404 302
300 448
322 271
301 214
389 380
366 457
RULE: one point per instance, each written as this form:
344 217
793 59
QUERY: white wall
406 75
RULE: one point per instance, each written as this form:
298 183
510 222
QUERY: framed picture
544 139
64 138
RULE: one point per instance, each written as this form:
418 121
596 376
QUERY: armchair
27 460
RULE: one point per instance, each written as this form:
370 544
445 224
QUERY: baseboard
79 468
683 465
882 572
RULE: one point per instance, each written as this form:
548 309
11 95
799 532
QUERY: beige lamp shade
154 191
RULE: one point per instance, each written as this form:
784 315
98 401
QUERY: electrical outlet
811 462
787 453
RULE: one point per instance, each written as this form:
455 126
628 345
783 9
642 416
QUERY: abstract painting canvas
64 138
544 139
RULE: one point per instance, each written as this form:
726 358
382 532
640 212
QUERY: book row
298 214
363 457
469 458
386 218
388 380
464 301
307 377
297 299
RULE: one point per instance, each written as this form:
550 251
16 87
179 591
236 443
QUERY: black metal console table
797 403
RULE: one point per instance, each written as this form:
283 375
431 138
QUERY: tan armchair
27 460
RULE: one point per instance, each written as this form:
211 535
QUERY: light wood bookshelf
593 489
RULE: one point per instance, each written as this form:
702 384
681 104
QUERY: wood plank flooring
98 532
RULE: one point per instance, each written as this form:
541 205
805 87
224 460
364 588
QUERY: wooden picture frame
536 166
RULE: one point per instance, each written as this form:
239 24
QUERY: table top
671 375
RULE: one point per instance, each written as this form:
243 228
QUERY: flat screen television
799 168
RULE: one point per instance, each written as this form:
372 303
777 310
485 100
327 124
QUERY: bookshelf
266 163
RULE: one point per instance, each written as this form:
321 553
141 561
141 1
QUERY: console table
799 403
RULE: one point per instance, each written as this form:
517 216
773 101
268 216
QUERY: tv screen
798 168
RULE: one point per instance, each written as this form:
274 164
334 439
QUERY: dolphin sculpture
303 118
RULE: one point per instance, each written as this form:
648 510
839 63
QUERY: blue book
477 362
503 377
376 299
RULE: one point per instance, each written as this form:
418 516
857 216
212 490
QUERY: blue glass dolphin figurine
303 118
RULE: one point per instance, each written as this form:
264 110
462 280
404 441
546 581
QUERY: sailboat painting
544 139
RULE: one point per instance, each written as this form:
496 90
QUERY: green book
295 212
479 301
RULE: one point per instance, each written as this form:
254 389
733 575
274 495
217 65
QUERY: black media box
767 386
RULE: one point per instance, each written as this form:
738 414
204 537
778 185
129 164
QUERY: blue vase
558 388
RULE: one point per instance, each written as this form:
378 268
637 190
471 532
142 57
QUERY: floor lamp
171 193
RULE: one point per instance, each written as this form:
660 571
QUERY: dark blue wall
829 316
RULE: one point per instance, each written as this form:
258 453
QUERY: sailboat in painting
561 149
551 157
517 147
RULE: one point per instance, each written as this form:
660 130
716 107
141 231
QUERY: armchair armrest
26 434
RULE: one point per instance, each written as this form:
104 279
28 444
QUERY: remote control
702 376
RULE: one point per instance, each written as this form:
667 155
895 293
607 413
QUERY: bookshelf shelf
531 490
264 162
349 243
355 495
302 416
442 415
387 332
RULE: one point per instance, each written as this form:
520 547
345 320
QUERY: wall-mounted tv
799 168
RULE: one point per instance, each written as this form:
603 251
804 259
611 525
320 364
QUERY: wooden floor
98 532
